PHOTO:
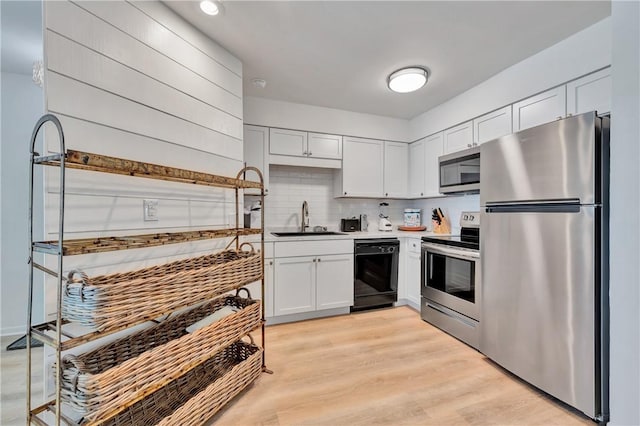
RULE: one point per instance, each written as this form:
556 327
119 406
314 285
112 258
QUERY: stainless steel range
451 281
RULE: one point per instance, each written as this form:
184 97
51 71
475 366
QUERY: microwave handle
452 253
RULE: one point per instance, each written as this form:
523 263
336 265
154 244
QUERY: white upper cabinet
296 148
256 149
492 125
543 108
287 142
433 148
458 138
396 164
362 168
590 93
424 177
416 169
321 145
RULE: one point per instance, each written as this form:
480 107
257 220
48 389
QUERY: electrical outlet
150 208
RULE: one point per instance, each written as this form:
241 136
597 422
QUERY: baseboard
13 331
307 315
408 302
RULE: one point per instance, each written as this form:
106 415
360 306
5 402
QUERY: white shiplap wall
133 80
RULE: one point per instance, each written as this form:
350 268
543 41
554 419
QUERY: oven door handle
453 253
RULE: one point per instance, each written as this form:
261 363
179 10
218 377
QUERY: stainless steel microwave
460 171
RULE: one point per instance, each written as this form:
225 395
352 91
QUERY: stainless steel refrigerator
544 254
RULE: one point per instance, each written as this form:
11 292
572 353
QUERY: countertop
269 237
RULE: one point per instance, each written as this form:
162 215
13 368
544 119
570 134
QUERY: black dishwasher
375 273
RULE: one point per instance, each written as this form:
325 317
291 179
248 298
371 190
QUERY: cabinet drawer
312 248
414 245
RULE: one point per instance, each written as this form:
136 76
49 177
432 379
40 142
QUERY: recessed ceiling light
259 82
407 80
210 7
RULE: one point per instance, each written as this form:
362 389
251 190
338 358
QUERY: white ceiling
338 54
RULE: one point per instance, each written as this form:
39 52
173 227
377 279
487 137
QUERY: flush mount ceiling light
407 80
211 7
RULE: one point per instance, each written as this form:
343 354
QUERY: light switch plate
150 208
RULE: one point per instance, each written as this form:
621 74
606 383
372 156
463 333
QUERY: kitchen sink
305 234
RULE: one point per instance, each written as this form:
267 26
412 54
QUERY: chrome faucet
305 216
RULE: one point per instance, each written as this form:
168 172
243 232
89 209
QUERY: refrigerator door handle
534 208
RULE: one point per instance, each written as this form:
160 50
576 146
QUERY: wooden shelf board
121 166
51 407
105 244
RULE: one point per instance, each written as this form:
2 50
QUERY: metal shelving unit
52 333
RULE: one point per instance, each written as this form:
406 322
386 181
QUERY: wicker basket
121 300
195 397
98 382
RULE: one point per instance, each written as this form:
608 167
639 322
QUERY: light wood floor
384 367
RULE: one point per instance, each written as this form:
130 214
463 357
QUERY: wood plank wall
134 80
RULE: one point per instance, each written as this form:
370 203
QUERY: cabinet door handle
386 194
271 262
468 145
345 192
314 260
319 259
310 153
305 153
421 194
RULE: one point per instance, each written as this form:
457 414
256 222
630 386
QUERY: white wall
273 113
579 54
22 105
133 80
625 221
451 206
290 186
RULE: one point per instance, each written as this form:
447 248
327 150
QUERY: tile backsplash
289 186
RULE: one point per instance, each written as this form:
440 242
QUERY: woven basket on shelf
121 300
100 381
195 397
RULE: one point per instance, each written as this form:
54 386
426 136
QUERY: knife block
443 227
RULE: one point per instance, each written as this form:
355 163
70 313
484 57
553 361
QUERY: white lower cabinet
295 285
334 281
256 293
413 271
309 277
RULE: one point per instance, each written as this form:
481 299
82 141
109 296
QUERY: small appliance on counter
364 223
350 225
253 216
412 221
384 224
